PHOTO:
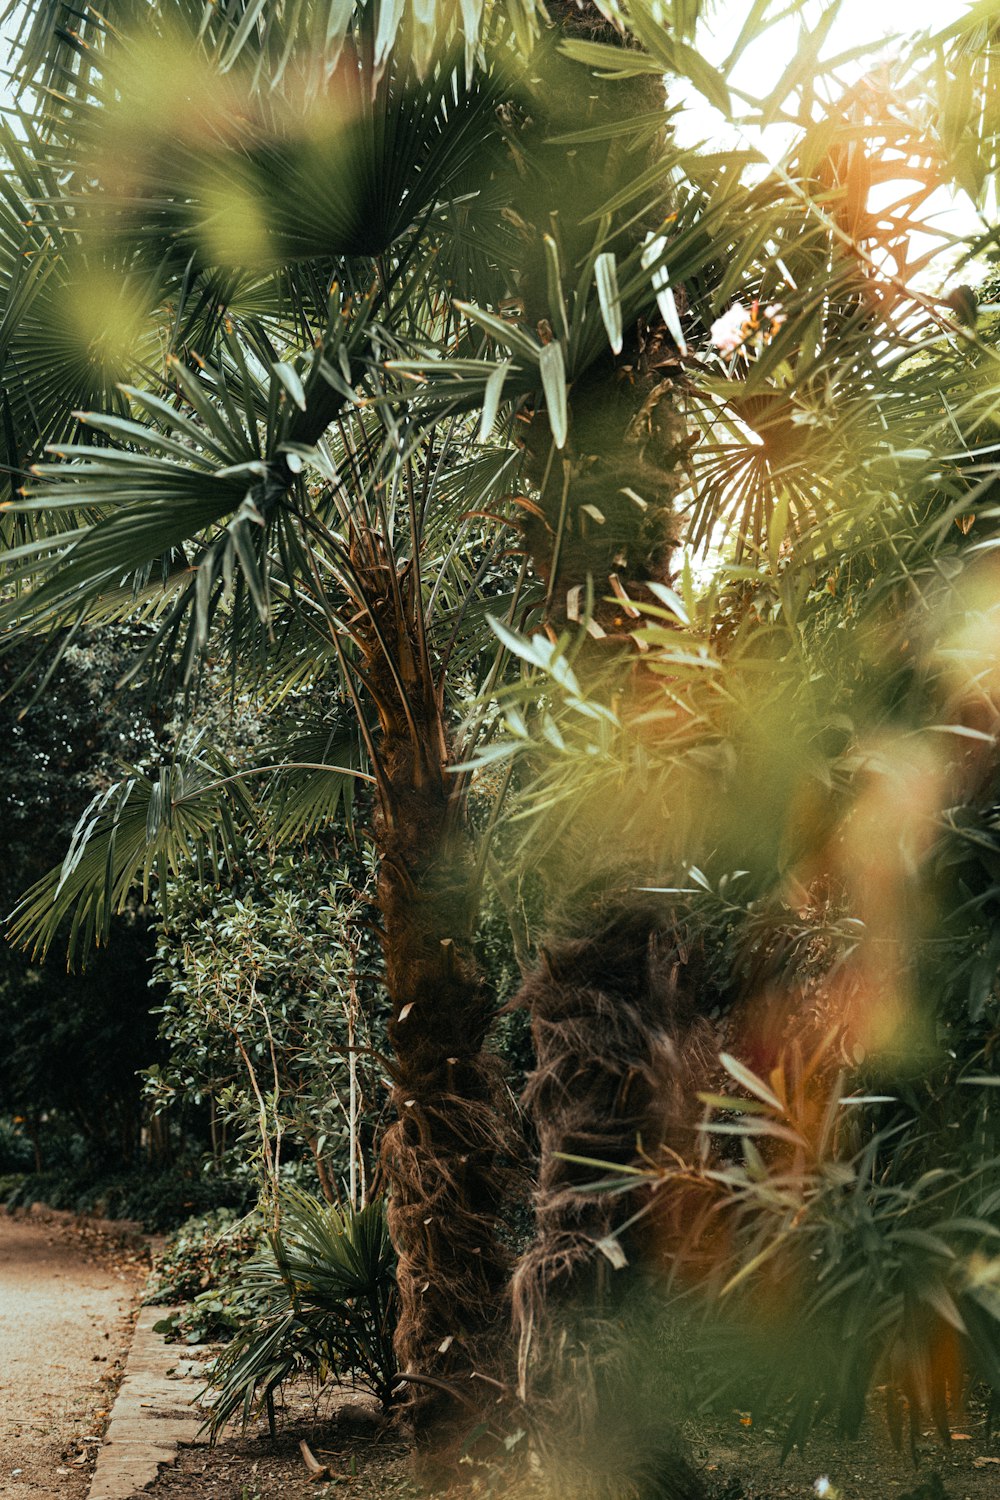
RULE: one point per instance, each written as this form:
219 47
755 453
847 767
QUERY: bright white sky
859 23
884 25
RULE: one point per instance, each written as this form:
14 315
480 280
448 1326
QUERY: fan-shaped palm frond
203 810
321 1298
141 829
55 45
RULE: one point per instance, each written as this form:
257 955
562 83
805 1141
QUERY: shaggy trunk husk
613 1034
443 1158
618 1049
618 1045
442 1155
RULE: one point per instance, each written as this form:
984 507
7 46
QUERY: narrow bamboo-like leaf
647 126
507 333
676 56
803 67
292 383
689 63
922 1239
553 372
241 35
672 600
753 1265
204 579
749 1081
606 276
652 256
735 1106
491 400
557 302
239 531
134 432
614 62
937 1296
756 1127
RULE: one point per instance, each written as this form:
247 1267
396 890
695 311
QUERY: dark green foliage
827 1259
65 738
873 1287
16 1150
73 1043
74 1046
201 1266
290 493
157 1200
202 1254
320 1299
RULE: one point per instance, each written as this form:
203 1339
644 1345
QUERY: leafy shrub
270 1014
73 1041
10 1182
16 1152
321 1299
211 1318
158 1203
201 1266
827 1266
202 1253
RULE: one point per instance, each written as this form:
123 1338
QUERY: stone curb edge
152 1413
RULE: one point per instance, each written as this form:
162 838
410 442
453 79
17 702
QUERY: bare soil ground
364 1457
745 1462
67 1296
739 1462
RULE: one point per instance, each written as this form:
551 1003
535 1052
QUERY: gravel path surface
65 1323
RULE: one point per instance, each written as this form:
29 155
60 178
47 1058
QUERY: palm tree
189 501
297 268
615 1008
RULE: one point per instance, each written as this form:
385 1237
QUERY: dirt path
65 1321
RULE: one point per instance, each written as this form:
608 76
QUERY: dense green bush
158 1201
268 986
73 1042
202 1254
16 1151
822 1260
201 1265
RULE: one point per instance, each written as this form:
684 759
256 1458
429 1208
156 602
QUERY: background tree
74 1041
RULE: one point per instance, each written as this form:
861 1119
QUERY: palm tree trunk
618 1051
443 1157
612 1028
